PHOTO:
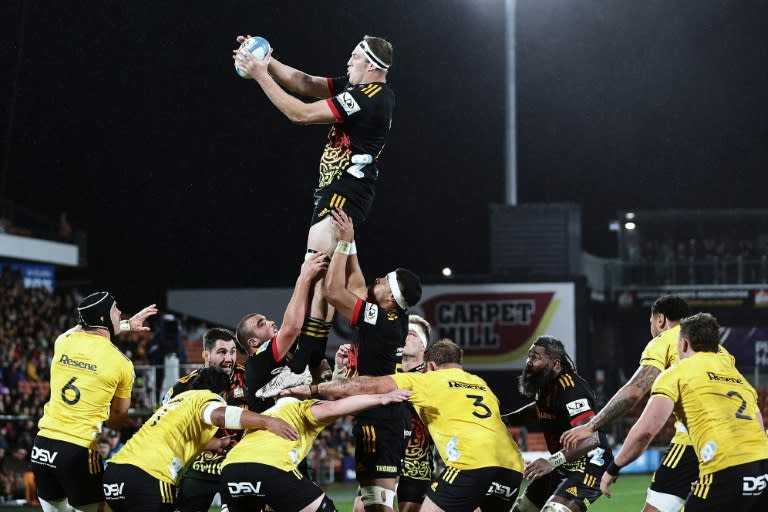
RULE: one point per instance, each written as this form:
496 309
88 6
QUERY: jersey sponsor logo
43 456
371 313
577 406
65 359
348 103
754 485
572 490
466 385
386 469
243 488
113 490
501 490
723 378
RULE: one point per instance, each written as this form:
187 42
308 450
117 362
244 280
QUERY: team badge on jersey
371 313
577 406
348 103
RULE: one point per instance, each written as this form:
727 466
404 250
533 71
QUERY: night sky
130 117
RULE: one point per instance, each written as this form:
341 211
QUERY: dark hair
671 306
702 331
443 352
216 333
381 48
410 286
242 332
212 378
555 349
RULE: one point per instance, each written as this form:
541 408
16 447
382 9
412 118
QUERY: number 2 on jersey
740 413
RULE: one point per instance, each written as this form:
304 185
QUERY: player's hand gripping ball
259 48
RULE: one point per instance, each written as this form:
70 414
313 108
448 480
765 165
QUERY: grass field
628 496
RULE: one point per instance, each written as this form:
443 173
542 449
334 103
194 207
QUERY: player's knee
556 506
327 505
377 495
523 504
663 502
61 505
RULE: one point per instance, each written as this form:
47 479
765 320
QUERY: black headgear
93 312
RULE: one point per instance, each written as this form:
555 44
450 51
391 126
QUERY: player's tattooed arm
627 397
622 402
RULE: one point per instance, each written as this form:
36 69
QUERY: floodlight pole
511 142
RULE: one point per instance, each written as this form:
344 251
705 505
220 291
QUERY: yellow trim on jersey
369 438
672 459
702 487
589 480
94 462
167 493
337 201
371 90
566 381
450 474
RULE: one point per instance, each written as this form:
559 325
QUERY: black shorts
492 489
250 486
128 488
580 487
353 195
678 469
412 490
197 490
379 447
66 470
743 488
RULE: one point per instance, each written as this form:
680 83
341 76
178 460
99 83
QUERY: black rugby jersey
379 340
569 402
363 119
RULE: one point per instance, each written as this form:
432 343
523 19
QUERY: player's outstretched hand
345 229
571 438
241 39
314 263
282 429
250 65
137 321
537 469
342 354
396 396
605 483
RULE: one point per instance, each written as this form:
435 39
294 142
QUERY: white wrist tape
208 412
125 325
556 459
344 247
232 417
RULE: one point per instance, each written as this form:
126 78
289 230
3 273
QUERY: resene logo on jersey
65 359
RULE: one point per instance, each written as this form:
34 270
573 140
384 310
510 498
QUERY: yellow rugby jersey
171 437
462 416
264 447
661 353
718 406
87 371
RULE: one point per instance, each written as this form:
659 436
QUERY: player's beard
529 385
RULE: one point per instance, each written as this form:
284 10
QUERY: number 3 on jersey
478 403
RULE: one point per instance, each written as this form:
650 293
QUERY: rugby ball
259 48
